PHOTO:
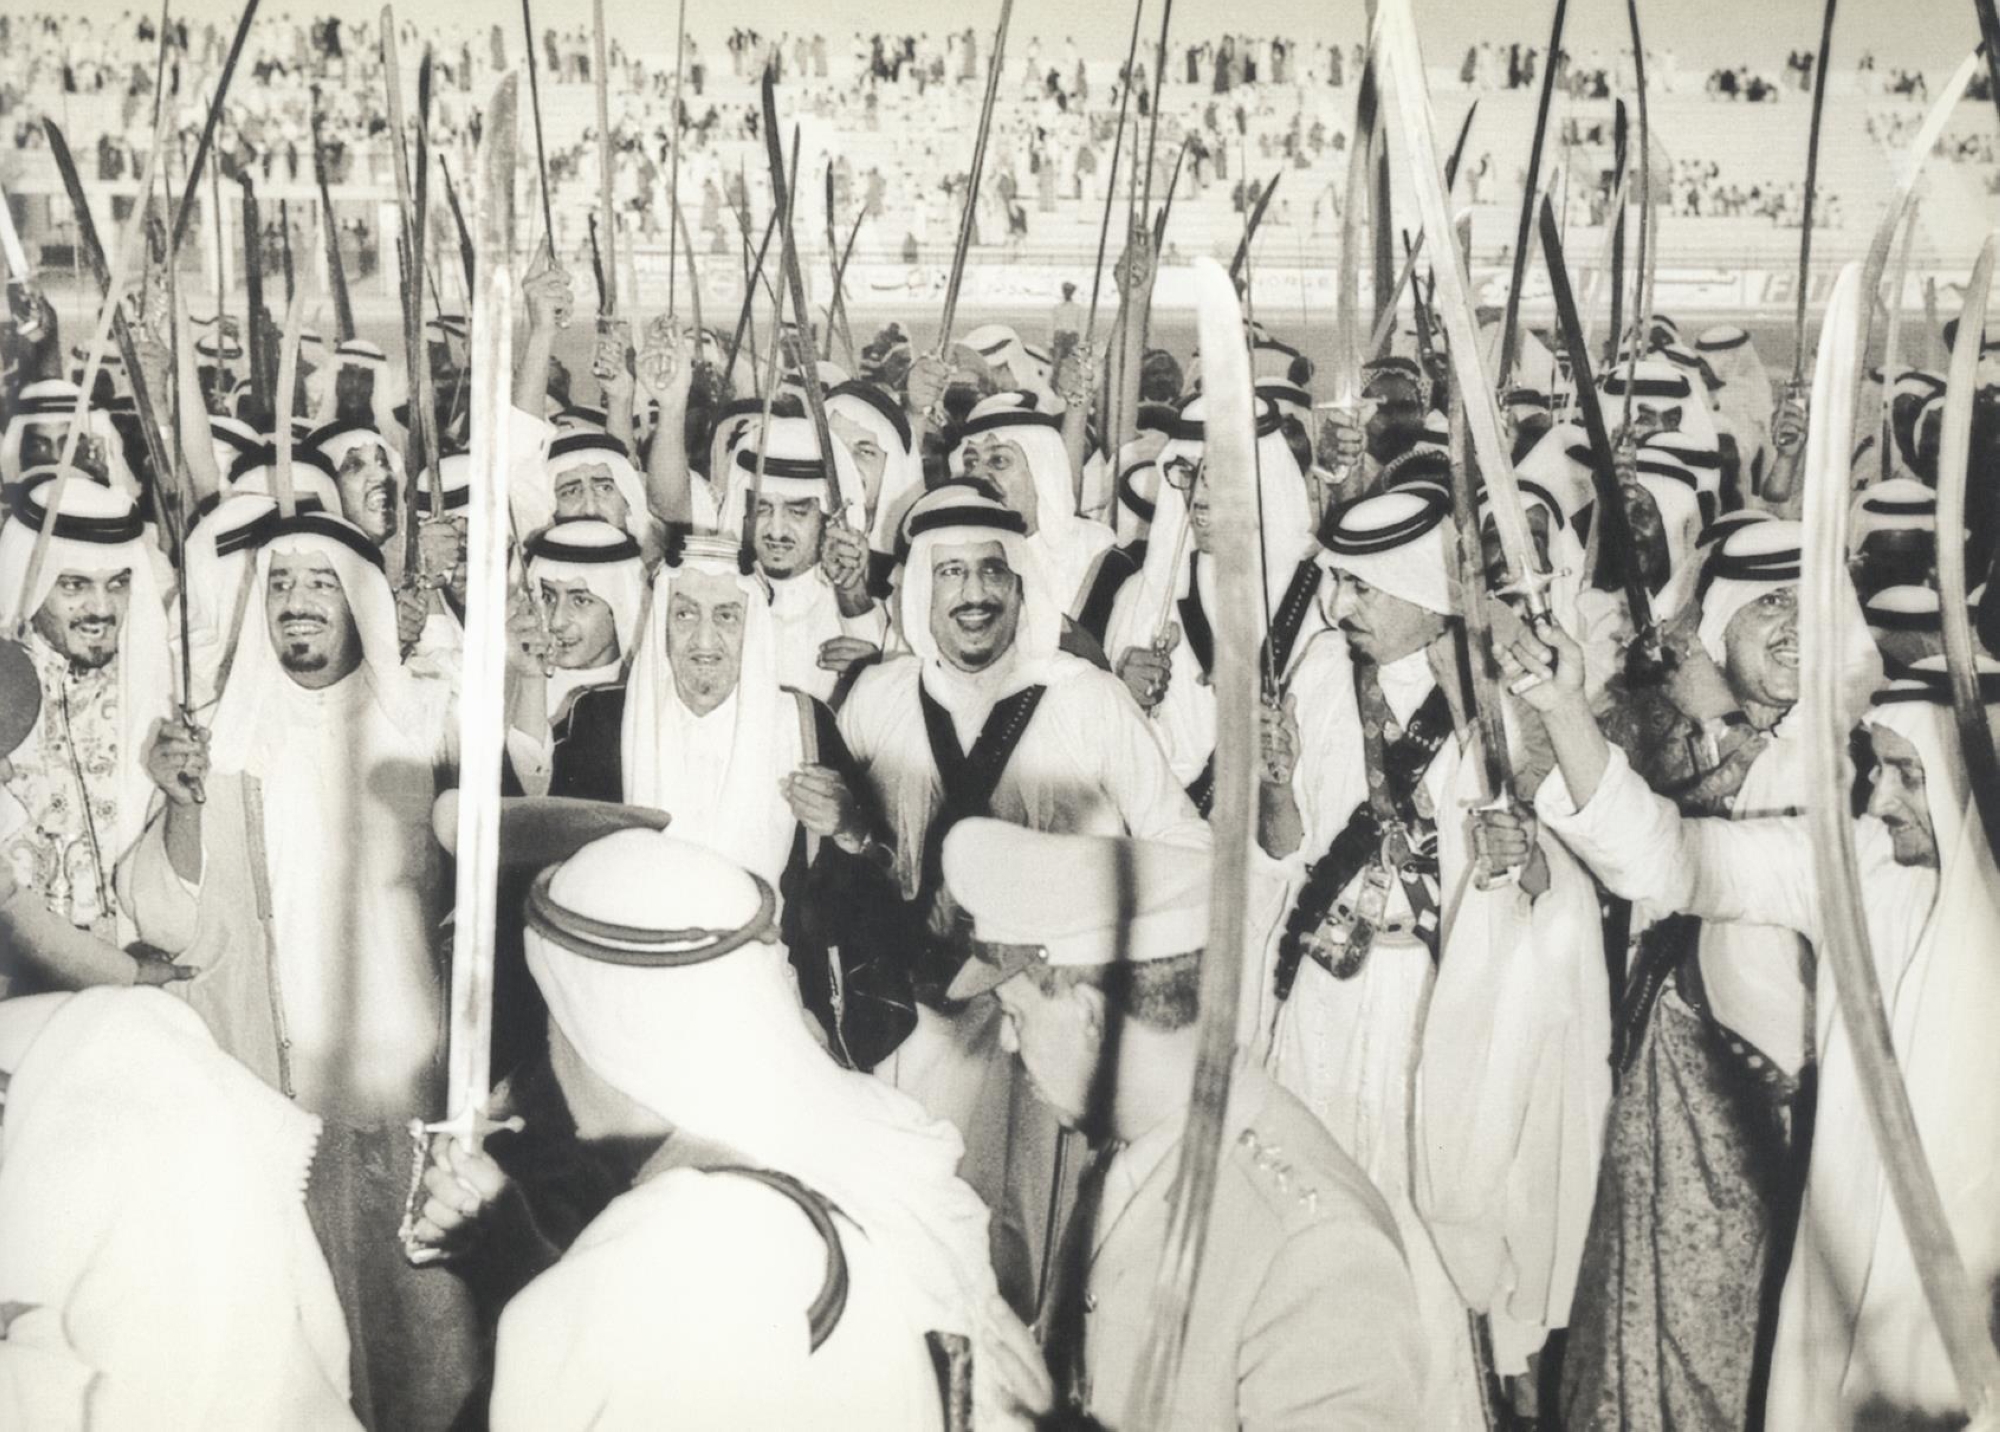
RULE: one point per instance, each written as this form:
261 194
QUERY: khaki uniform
1303 1313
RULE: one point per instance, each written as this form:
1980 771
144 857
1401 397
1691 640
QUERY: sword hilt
469 1128
1503 799
1648 661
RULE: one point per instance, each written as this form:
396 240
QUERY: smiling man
306 889
97 637
1716 1038
570 646
988 717
369 476
710 736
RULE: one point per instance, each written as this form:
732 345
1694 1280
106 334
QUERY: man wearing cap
1715 1039
988 717
77 784
777 1262
1440 1006
571 643
1302 1313
1855 1338
306 889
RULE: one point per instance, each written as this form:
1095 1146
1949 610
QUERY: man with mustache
1440 1008
307 888
77 785
307 891
811 549
369 475
760 773
987 717
1854 1340
1013 442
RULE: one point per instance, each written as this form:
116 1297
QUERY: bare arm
665 373
547 290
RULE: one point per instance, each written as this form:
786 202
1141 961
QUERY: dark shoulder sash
823 1314
969 778
1403 763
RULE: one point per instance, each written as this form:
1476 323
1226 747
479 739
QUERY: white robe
356 900
805 615
1085 765
1472 1093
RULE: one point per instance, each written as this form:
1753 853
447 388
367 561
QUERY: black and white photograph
1167 717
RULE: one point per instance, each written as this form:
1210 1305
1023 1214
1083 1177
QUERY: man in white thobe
306 889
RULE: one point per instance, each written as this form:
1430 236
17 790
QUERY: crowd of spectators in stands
1237 108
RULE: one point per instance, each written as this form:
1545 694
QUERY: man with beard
306 889
1442 1010
1855 1341
1302 1315
590 474
760 773
988 717
97 639
809 549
